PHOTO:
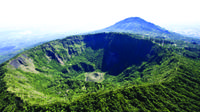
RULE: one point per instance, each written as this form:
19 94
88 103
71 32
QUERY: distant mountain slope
138 25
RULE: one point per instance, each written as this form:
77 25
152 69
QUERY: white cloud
88 15
25 33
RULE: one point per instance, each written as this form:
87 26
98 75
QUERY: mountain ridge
101 72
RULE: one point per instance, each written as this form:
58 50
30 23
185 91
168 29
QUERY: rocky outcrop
24 63
51 55
16 63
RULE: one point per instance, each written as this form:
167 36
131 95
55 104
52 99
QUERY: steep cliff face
119 51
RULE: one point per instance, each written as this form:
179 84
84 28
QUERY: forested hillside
102 72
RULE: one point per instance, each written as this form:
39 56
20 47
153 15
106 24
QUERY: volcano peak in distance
133 19
138 25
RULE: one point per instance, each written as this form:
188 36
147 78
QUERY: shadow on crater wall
120 51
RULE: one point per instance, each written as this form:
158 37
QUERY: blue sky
88 15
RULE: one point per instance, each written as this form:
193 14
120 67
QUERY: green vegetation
102 72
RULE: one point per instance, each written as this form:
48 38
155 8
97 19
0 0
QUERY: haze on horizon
89 15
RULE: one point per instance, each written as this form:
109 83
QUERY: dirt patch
94 77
